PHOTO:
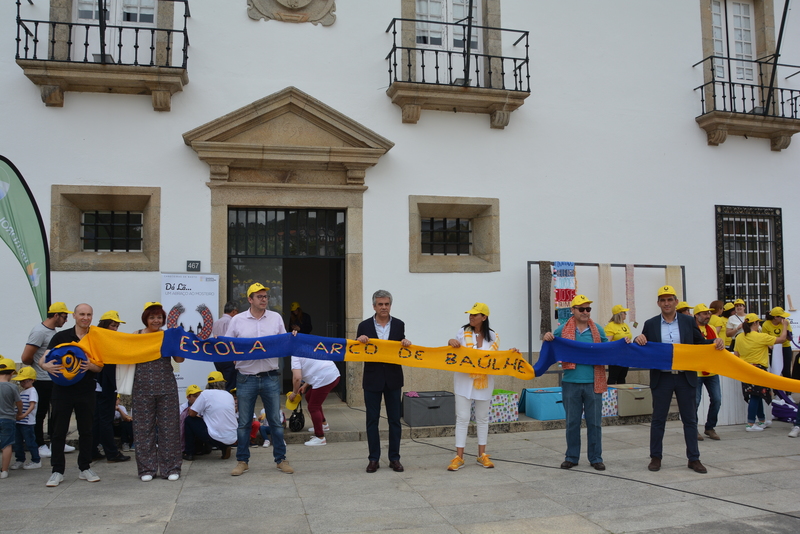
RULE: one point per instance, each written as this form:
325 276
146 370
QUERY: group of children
17 417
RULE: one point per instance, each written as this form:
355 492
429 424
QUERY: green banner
22 229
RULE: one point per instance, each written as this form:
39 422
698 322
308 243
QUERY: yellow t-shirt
615 331
718 320
775 330
754 347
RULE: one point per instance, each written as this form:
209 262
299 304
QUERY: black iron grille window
111 231
446 236
286 233
750 256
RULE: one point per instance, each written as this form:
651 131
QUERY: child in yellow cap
25 432
10 411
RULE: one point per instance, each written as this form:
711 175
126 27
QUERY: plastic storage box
544 404
633 399
430 408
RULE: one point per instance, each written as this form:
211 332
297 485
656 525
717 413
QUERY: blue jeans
579 399
714 397
755 408
26 435
248 389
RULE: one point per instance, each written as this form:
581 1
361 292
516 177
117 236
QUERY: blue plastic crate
544 404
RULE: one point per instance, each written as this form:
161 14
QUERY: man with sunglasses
582 387
38 340
673 327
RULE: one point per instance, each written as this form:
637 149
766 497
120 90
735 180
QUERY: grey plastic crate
431 408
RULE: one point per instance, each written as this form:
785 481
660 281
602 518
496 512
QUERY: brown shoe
655 464
226 453
600 466
712 434
697 467
373 466
566 464
700 437
396 466
285 467
240 468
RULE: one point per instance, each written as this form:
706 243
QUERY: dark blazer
689 334
379 376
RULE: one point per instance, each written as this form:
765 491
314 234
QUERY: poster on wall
191 301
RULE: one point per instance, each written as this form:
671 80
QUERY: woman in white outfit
470 387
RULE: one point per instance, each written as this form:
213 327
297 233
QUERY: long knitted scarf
568 332
479 381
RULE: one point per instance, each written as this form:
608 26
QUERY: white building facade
301 144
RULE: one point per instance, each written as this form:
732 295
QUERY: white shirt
733 322
245 325
221 325
463 383
28 396
317 373
217 408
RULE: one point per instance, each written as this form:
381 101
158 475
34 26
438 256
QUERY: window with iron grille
446 236
286 233
111 231
750 256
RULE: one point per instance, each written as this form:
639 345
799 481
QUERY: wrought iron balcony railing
83 42
411 60
751 89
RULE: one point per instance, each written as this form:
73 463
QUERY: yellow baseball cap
255 288
738 301
580 299
295 305
26 373
777 311
58 307
149 304
191 390
700 308
728 306
619 309
479 307
112 315
292 405
683 305
215 376
6 364
751 318
667 290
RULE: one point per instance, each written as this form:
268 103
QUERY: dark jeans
63 406
103 428
617 374
45 390
687 405
372 402
124 429
714 398
26 435
195 428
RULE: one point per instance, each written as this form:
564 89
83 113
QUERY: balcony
424 73
751 106
60 56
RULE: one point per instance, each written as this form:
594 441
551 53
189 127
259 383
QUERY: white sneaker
89 476
32 465
316 442
173 477
69 448
55 480
325 428
764 424
794 432
126 447
3 474
266 443
44 451
16 465
753 428
147 478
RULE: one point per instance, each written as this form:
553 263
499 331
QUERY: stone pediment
287 131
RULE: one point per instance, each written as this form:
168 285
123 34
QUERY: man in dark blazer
672 327
382 379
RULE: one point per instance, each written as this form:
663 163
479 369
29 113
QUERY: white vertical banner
191 301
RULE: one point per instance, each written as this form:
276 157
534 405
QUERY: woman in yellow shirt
617 329
753 347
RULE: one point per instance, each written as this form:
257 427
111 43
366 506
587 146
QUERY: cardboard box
544 404
633 399
430 408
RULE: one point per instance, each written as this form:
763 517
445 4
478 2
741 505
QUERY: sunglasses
583 309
